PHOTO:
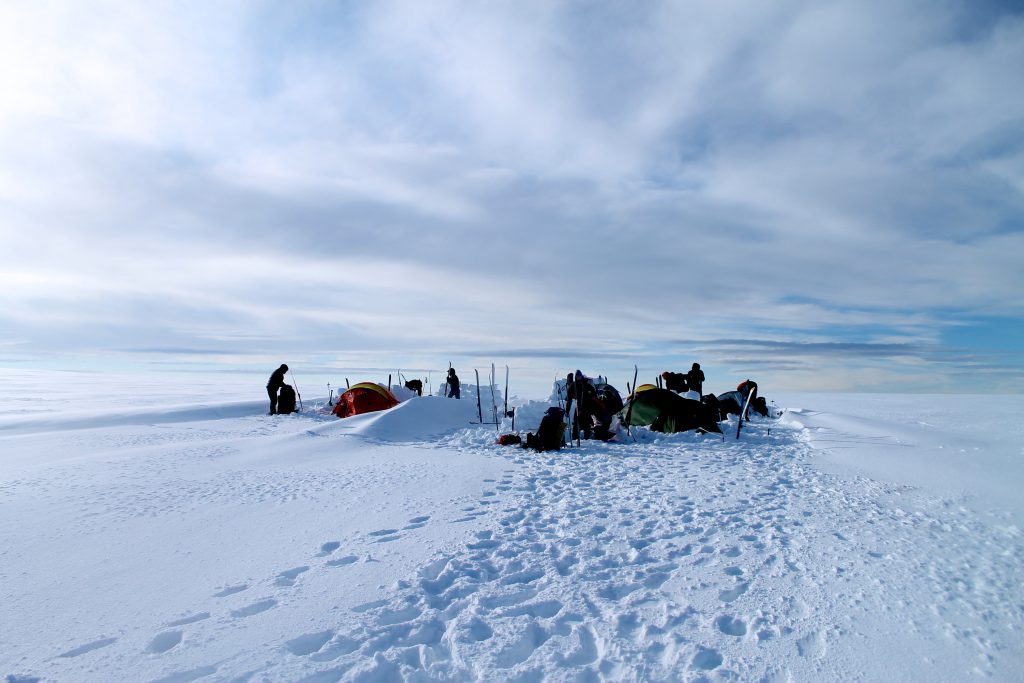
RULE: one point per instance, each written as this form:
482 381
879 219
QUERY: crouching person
550 434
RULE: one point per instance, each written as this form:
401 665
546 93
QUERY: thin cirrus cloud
379 183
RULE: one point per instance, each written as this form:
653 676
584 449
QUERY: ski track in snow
676 558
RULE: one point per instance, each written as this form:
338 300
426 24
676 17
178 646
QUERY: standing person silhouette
274 384
579 388
453 384
695 378
746 388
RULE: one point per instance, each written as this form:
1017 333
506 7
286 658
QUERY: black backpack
286 400
550 434
610 398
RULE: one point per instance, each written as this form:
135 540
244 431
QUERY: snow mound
418 419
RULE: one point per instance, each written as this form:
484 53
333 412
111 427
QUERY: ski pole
297 392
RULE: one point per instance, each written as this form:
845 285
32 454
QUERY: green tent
666 411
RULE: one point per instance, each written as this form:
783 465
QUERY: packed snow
173 532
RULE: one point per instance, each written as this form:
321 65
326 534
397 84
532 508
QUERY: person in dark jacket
579 388
453 384
274 385
675 381
747 387
550 434
695 378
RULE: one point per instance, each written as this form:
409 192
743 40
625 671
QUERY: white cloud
533 175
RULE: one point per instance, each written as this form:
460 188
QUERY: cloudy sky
817 194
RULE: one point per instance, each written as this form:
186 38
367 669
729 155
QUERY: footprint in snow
416 522
731 626
367 606
655 580
731 594
309 643
707 659
478 630
231 590
190 619
586 651
88 647
529 640
385 535
287 577
812 645
162 642
328 548
255 608
538 610
342 561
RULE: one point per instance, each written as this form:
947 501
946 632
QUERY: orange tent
365 397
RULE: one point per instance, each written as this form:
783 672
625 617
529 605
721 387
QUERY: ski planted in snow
479 408
746 405
494 401
632 396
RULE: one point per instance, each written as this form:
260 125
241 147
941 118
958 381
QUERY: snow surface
174 532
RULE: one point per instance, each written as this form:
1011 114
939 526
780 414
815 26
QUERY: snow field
405 545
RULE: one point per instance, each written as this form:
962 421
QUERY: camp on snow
731 403
659 409
365 397
666 411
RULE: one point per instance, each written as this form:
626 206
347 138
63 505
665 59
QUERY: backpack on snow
610 398
286 400
550 434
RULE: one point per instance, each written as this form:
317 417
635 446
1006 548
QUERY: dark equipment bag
286 400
